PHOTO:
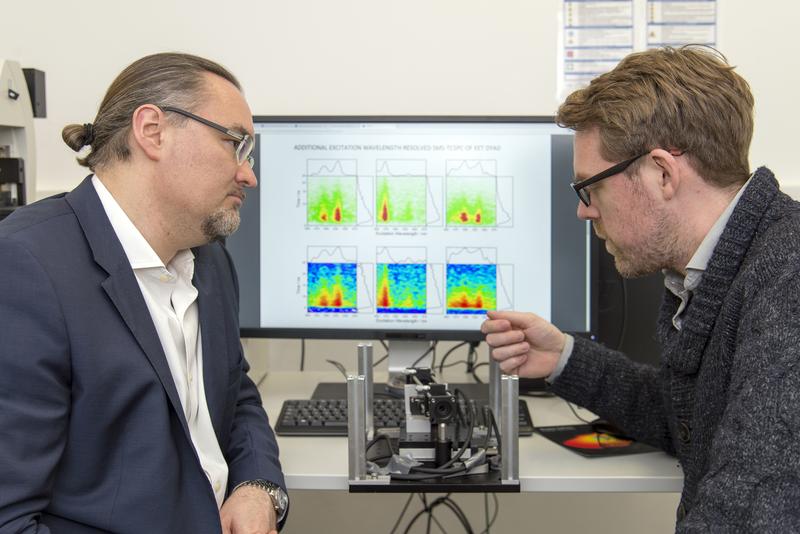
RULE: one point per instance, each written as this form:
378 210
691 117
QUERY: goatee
220 224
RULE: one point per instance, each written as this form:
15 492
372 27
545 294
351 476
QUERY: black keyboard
328 417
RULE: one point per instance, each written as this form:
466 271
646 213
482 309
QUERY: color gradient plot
471 201
401 287
471 288
332 200
401 200
332 288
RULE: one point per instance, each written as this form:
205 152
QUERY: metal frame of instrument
503 400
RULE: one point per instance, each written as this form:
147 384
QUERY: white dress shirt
172 301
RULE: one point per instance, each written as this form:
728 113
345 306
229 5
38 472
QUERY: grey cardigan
726 398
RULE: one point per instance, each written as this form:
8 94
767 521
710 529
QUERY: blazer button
681 512
684 433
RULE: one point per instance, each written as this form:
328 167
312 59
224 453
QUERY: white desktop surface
320 463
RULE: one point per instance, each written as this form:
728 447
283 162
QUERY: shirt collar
679 284
702 255
139 252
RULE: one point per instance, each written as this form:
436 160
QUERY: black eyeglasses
580 187
245 142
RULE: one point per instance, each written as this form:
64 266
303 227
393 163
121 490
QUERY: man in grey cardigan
662 172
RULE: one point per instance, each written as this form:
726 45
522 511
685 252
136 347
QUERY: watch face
281 498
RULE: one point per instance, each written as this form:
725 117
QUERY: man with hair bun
662 172
125 404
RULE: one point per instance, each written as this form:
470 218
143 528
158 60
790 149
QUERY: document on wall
596 35
681 22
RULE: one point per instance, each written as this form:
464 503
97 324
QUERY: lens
244 149
443 408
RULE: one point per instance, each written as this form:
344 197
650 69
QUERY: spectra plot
332 285
401 280
471 282
331 196
401 192
471 201
476 195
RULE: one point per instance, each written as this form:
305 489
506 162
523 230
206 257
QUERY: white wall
363 57
368 57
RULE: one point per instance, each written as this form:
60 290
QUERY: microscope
17 143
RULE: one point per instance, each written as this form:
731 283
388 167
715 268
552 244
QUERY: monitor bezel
405 334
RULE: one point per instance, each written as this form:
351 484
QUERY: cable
425 509
576 413
448 353
459 513
385 346
430 349
472 355
339 366
438 524
494 515
430 518
474 375
428 509
486 511
449 365
403 513
302 354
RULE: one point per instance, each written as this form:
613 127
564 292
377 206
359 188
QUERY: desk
320 463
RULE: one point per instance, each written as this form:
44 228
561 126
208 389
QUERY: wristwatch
280 501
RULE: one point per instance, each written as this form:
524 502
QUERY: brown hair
166 79
684 98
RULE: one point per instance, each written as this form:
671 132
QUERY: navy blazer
92 433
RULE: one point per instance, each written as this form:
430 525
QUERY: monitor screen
410 228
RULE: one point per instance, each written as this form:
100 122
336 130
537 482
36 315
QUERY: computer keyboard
328 417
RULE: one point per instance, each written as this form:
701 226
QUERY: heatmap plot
332 287
332 200
401 287
471 201
401 200
471 288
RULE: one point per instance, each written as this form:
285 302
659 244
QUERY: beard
221 223
659 248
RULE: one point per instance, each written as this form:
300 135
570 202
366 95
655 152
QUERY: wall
369 57
363 57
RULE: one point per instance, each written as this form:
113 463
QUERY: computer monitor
408 229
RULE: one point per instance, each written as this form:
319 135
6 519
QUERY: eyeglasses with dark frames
245 142
580 187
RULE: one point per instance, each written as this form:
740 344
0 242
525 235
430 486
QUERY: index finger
490 326
516 319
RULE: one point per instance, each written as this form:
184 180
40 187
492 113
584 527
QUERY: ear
147 130
670 172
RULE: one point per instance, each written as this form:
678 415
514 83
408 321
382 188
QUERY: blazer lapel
121 285
214 336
